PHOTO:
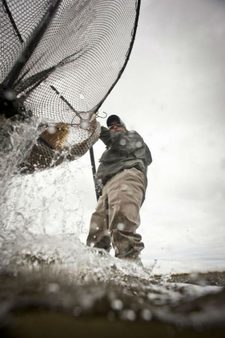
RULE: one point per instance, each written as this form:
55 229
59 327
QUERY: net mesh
62 58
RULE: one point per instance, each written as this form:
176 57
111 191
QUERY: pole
93 167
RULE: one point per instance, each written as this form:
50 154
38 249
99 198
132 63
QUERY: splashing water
41 215
41 225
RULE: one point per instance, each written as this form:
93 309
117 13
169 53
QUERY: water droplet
10 95
117 304
123 142
53 288
146 314
139 144
120 226
87 301
128 315
94 225
84 124
81 96
51 130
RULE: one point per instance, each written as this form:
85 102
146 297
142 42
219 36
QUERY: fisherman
123 175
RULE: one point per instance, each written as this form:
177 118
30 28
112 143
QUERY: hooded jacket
124 150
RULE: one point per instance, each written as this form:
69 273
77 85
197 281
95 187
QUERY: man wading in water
123 174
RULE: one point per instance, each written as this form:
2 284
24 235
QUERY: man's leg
99 235
126 192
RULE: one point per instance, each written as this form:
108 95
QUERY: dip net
59 61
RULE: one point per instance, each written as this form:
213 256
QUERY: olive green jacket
124 150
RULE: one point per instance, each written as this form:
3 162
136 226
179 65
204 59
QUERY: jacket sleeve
105 136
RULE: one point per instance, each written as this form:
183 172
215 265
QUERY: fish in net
60 59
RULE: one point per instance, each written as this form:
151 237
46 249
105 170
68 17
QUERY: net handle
93 167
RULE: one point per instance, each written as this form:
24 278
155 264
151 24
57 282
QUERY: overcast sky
172 93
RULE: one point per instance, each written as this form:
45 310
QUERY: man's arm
105 136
